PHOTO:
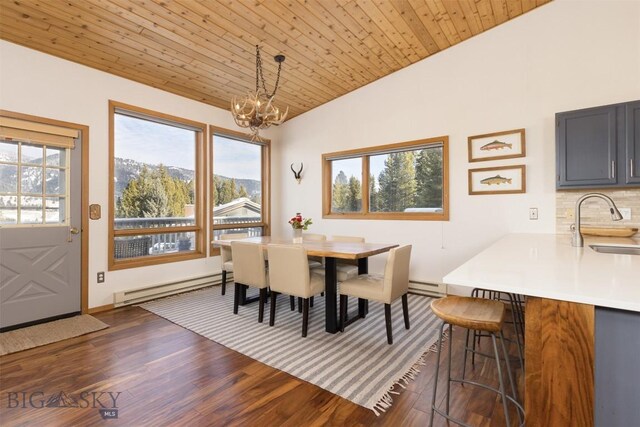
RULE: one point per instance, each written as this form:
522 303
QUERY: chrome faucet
577 239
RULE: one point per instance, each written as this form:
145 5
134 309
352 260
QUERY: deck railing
182 241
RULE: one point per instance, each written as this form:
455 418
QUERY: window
34 173
408 180
239 184
157 166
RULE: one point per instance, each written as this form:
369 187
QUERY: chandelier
256 110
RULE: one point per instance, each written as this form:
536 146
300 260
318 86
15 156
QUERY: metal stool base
513 398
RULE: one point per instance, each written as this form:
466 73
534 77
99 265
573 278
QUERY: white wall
565 55
46 86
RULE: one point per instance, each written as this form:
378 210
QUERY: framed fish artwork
498 180
499 145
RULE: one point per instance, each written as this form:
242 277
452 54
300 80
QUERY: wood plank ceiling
205 49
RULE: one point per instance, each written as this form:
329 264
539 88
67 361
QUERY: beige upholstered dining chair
227 260
344 269
314 262
385 289
314 237
249 270
289 274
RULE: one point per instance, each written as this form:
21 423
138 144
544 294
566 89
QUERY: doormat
47 333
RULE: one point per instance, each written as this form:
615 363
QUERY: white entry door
40 241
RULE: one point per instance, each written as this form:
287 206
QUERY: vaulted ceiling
205 49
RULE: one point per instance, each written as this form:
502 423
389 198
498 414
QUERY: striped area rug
358 364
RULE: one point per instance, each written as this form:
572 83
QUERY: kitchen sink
617 249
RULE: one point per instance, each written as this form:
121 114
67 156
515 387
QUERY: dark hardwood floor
167 375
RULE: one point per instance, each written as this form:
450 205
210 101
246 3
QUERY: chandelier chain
260 75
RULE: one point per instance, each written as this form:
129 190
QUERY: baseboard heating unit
162 290
429 289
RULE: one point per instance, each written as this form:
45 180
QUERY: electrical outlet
625 212
533 213
101 277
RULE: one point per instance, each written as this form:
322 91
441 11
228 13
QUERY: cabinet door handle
631 175
613 169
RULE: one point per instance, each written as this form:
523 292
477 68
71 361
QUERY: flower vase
297 235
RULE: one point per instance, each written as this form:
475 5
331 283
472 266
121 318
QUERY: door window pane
154 174
237 181
32 154
346 178
31 179
8 178
55 210
8 151
8 209
55 183
30 210
55 156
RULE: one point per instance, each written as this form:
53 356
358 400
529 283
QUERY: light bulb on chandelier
256 110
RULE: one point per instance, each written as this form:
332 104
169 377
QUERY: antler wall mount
297 175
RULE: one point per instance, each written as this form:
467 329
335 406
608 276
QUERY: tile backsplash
595 211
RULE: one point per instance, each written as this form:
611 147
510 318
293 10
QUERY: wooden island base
559 363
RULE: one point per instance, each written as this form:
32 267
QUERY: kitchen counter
582 325
547 266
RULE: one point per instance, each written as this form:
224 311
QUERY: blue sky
154 143
236 159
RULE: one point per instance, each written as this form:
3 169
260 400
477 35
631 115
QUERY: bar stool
476 314
517 320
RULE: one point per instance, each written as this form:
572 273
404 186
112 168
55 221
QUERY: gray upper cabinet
633 143
598 147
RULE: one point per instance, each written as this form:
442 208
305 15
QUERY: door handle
72 230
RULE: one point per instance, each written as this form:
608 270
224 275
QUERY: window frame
265 184
199 173
366 153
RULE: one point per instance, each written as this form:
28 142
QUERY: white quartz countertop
547 266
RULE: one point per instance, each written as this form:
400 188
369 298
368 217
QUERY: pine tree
154 202
226 191
353 199
154 194
374 196
339 193
429 178
397 182
217 189
129 206
243 192
176 191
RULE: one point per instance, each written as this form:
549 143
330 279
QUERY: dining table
331 252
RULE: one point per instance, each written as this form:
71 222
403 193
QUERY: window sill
401 216
144 261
